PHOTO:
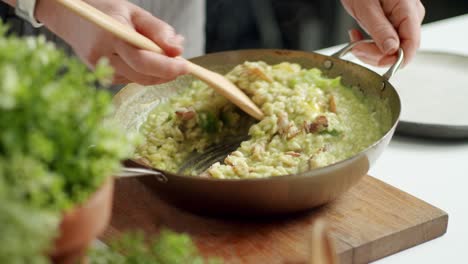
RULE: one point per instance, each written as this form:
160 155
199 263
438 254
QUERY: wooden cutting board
369 222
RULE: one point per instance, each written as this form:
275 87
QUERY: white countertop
434 171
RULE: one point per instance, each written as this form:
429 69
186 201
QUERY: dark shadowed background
294 24
289 24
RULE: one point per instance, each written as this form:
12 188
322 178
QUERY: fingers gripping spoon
218 82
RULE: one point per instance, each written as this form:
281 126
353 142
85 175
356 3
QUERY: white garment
186 16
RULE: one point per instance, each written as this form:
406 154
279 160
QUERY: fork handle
137 172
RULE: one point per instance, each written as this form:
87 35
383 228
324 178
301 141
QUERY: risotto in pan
310 121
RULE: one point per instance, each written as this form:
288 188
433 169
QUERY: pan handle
135 172
391 71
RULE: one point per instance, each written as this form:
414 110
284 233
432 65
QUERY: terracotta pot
81 225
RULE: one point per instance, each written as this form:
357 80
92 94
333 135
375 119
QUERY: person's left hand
391 23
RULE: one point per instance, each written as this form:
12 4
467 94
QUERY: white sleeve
186 16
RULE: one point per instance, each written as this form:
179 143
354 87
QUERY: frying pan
273 195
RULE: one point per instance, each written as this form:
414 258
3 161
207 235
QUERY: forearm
91 43
46 12
56 18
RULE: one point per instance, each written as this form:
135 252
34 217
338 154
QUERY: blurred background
295 24
289 24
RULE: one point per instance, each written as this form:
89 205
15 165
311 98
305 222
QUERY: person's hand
391 23
131 64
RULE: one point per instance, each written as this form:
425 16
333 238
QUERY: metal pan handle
391 71
135 172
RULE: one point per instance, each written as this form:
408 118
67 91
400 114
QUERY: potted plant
58 150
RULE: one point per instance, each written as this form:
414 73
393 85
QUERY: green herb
315 76
225 118
208 122
332 132
131 248
57 145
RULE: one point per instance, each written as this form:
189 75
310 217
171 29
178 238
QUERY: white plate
434 94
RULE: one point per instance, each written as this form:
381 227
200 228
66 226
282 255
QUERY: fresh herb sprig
132 248
57 144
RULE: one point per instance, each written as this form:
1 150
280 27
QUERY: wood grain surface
369 222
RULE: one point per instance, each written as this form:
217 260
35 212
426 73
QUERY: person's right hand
391 23
131 64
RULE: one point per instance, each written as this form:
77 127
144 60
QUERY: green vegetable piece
208 122
332 132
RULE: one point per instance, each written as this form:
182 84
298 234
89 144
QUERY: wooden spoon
218 82
322 250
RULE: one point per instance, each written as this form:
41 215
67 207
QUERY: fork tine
213 157
196 158
198 162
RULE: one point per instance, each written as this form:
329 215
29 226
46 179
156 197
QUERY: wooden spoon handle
322 250
111 25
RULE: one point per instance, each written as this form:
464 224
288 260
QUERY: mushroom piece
320 123
283 123
260 74
293 153
292 131
186 113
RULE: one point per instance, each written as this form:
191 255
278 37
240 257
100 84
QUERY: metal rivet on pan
382 88
161 178
328 64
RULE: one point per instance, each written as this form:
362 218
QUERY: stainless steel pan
280 194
